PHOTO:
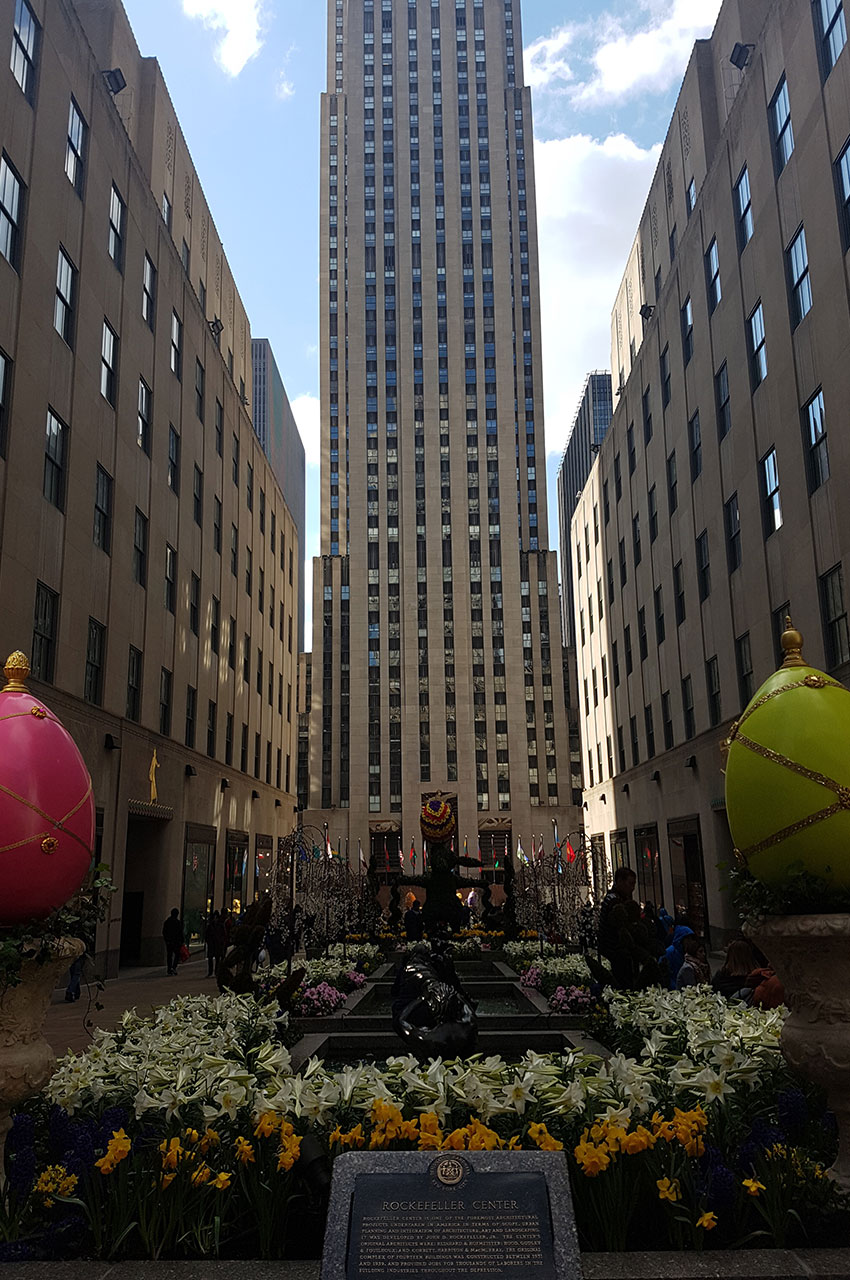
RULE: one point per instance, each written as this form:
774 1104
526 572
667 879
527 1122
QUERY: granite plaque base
492 1215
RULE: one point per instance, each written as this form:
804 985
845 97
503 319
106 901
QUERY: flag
555 829
520 852
400 856
533 852
386 854
480 859
571 853
329 853
465 847
413 852
497 861
362 856
541 853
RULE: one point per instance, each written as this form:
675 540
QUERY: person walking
172 933
414 925
214 942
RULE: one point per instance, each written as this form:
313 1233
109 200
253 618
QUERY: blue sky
246 75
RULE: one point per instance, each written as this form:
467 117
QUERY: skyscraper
437 659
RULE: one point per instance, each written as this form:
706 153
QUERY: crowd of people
644 945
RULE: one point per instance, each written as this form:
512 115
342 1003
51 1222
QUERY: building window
66 297
712 271
95 649
630 447
217 524
11 212
732 522
770 504
55 451
703 566
165 685
618 479
219 427
249 488
102 534
665 377
249 570
643 643
691 196
781 620
25 34
234 550
797 258
672 483
667 721
695 444
744 667
633 735
198 500
149 293
108 363
659 615
44 632
200 379
687 330
117 221
228 739
688 708
814 430
170 578
836 634
191 715
143 425
134 684
176 345
712 688
215 625
679 592
231 644
744 203
635 542
186 258
235 460
832 31
652 500
76 148
724 408
173 460
5 397
194 604
166 210
212 714
140 549
780 120
758 346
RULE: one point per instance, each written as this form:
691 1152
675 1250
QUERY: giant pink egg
46 805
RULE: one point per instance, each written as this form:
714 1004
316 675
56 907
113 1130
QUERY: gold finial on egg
16 671
792 645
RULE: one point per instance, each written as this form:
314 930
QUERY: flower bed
326 985
701 1138
549 974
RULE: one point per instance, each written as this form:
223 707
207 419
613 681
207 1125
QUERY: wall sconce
216 328
691 762
655 777
114 80
191 771
604 798
625 788
255 795
224 784
110 744
277 804
646 311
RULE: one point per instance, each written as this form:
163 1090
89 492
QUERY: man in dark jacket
414 925
609 938
172 932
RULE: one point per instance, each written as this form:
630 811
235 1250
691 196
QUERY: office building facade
437 663
714 509
148 561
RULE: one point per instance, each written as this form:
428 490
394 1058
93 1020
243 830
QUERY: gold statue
152 776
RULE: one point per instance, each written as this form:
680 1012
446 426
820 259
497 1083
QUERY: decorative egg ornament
788 774
46 805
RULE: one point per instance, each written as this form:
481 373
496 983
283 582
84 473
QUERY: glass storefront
686 869
263 864
198 880
235 871
647 865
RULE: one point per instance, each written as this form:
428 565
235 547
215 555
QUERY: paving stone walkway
69 1026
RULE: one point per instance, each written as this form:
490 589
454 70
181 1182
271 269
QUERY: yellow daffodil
210 1139
753 1186
669 1189
541 1136
221 1181
267 1125
708 1221
244 1151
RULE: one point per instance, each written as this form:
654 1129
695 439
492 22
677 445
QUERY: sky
246 78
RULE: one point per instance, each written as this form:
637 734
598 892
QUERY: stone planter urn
26 1059
811 956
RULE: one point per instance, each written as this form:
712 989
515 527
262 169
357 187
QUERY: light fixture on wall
655 776
646 312
191 771
114 80
277 804
110 743
255 795
691 762
625 788
216 327
604 798
225 783
740 55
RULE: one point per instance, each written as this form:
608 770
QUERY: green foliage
800 894
36 939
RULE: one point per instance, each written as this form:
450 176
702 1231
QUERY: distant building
588 431
278 433
720 485
149 563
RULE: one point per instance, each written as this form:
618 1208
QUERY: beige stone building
714 506
437 656
148 562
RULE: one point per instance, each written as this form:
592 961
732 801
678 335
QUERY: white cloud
239 21
613 61
590 195
284 88
307 415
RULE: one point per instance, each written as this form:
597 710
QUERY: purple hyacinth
793 1111
21 1134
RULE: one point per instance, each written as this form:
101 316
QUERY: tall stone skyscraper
437 653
